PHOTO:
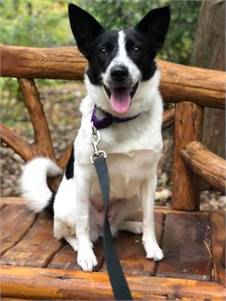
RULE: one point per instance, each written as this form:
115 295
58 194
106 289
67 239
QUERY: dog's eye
103 51
136 50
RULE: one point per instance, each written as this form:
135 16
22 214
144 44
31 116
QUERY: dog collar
102 120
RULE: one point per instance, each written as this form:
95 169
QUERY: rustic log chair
36 266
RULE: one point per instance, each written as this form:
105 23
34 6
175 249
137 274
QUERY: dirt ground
61 105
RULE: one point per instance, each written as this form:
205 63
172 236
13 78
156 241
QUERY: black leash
117 278
118 281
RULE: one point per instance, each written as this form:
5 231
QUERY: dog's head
119 62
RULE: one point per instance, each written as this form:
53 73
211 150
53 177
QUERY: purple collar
102 119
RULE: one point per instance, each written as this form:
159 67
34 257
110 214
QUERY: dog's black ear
155 26
84 27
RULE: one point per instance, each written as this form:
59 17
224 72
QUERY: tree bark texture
196 157
209 52
187 128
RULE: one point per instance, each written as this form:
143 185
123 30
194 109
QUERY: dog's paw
153 251
86 259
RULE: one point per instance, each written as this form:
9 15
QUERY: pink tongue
120 100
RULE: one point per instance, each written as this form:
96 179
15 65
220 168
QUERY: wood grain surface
37 283
16 221
36 248
218 222
187 247
192 268
187 128
210 167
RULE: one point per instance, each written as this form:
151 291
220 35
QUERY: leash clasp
95 136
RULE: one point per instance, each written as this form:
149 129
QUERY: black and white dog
124 103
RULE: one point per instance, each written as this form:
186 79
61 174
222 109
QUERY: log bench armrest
206 164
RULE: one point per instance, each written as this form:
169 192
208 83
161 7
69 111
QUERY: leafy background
45 23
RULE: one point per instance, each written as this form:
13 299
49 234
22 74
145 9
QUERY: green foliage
34 23
45 23
116 14
179 44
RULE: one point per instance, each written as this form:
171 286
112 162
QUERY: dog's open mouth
121 97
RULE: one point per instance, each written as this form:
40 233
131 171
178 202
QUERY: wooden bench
34 265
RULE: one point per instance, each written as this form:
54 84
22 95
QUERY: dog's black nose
119 73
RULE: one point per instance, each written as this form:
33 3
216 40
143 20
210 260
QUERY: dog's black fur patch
144 58
98 61
49 207
69 172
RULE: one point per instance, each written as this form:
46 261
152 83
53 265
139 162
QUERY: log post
43 143
188 127
21 147
168 118
223 259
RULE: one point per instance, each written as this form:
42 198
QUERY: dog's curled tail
34 186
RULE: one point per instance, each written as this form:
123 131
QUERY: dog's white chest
127 172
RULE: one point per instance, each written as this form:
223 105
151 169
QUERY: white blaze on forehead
122 58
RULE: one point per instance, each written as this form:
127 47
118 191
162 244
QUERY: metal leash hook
95 136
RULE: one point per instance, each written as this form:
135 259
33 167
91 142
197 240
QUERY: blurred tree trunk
209 52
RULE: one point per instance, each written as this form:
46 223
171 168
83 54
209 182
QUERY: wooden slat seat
185 237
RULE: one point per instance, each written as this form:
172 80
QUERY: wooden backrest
190 88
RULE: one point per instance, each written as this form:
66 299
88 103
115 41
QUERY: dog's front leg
85 257
151 246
